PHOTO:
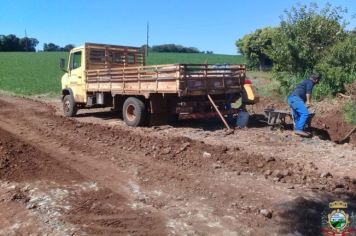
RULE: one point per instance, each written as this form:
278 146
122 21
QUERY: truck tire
134 112
69 106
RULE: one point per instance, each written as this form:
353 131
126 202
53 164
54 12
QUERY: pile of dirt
20 161
328 123
334 127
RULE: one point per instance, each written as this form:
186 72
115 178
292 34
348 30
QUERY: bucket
242 119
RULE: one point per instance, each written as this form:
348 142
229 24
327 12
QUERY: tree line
11 43
51 47
176 48
308 39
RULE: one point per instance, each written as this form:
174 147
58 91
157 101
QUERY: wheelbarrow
277 118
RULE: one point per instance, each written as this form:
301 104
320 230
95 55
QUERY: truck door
76 77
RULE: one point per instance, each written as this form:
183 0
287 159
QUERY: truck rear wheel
69 106
134 112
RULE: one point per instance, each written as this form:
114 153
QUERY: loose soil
93 175
334 127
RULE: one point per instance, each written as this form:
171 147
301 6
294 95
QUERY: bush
313 39
254 47
339 66
304 37
287 81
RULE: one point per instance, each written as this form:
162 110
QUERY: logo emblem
338 220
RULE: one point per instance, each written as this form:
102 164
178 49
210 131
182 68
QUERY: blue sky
205 24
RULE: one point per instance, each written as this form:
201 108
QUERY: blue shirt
303 88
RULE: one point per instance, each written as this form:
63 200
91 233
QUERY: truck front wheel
134 112
69 106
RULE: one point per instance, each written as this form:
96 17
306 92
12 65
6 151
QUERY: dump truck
99 75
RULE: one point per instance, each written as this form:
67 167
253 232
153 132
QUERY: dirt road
92 175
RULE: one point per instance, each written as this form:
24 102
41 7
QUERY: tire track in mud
64 201
190 186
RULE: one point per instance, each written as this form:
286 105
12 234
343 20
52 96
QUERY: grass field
38 73
31 73
264 83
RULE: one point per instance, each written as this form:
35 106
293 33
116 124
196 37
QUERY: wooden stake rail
176 71
122 70
185 79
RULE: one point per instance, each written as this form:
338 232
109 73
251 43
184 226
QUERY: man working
299 100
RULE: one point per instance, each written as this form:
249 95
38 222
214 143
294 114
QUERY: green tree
174 48
313 39
68 47
308 39
304 37
11 43
338 67
255 46
51 47
28 44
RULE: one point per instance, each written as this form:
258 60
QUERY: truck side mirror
61 64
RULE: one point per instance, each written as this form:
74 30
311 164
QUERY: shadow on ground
321 133
212 124
257 121
105 115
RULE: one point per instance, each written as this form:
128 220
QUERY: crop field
39 73
30 73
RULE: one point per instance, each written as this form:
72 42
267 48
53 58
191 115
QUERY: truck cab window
76 60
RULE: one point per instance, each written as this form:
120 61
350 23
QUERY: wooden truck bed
182 79
122 70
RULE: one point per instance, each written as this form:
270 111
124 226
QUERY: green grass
266 86
265 75
31 73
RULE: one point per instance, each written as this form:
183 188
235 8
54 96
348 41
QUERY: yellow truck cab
99 75
73 82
